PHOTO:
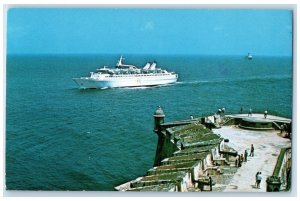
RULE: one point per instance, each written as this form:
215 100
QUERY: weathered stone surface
185 158
169 187
191 150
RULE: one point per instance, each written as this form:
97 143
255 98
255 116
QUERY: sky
149 31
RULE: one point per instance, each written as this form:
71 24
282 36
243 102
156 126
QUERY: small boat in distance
249 56
126 75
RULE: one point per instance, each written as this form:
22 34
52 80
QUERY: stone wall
166 146
281 178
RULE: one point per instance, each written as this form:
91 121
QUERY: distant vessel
124 75
249 56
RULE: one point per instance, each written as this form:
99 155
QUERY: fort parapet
190 156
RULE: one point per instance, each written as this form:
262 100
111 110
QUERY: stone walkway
267 146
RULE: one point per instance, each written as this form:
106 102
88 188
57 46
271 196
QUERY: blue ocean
61 138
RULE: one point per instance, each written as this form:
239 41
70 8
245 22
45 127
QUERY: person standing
281 128
237 161
215 118
250 112
256 179
245 155
266 113
259 178
210 182
252 150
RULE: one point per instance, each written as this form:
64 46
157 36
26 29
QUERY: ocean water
61 138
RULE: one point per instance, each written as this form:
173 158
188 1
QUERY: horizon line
156 54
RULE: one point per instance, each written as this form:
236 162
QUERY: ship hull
90 83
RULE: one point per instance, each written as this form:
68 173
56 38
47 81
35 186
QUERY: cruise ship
125 75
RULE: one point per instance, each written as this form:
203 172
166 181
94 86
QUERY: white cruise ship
124 75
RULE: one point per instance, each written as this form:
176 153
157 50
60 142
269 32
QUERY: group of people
244 157
239 159
221 111
250 112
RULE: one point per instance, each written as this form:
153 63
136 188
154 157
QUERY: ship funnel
152 67
146 66
120 61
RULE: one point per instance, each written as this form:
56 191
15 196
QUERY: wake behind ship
126 75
